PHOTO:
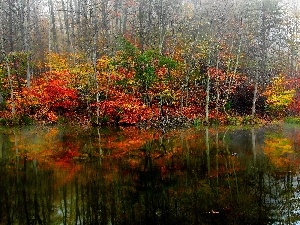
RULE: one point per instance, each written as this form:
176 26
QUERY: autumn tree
279 96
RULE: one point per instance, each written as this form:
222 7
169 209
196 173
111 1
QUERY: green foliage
228 105
20 119
295 120
26 120
126 49
242 120
250 120
148 69
197 122
234 120
167 62
145 72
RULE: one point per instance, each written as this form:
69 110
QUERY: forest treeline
148 61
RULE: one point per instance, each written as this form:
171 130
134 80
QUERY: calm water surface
72 175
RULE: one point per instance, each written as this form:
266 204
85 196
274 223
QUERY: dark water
56 175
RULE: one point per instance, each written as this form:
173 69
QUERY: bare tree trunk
11 25
255 93
28 72
161 27
22 12
117 25
254 99
207 91
61 26
26 42
39 42
76 27
12 99
207 98
105 25
53 26
141 25
72 37
49 48
124 20
217 85
230 80
95 40
85 44
293 46
66 20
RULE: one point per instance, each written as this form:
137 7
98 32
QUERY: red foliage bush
48 96
123 108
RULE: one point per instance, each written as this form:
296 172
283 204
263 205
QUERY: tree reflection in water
209 176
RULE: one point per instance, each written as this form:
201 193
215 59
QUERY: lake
215 175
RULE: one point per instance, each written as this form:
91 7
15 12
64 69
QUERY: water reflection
55 175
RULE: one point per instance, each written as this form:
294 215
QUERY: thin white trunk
28 74
12 98
26 42
49 46
95 39
255 94
207 99
217 84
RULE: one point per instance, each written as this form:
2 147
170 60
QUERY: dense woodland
148 62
